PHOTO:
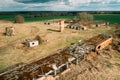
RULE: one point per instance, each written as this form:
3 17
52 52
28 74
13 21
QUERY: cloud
59 5
34 1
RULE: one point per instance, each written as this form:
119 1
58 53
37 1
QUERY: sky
59 5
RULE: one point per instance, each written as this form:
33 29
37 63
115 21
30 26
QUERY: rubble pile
116 45
116 41
79 49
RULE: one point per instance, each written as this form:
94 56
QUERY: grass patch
3 50
101 78
117 64
108 32
2 64
108 64
73 40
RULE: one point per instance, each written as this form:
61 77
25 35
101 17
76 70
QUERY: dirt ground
12 50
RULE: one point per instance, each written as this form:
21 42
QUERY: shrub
19 19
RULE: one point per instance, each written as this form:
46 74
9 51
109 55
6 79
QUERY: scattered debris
116 41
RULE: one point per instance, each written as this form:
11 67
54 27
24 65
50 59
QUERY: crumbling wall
9 31
62 25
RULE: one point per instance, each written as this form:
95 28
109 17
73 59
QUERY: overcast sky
59 5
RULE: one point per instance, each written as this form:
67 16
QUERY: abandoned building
9 31
31 43
50 22
100 23
53 66
47 22
76 27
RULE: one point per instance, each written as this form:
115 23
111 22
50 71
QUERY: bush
39 39
19 19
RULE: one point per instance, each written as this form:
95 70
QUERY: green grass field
112 18
28 19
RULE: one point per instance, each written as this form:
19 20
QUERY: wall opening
99 47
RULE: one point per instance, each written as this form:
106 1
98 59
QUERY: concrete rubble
79 49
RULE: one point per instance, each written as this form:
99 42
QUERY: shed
33 43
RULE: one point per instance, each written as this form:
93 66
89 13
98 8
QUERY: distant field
112 18
32 19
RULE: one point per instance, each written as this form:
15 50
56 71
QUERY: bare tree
84 17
